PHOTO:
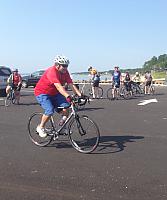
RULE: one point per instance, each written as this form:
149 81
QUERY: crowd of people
117 79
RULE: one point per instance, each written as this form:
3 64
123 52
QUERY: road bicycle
115 93
10 98
83 132
137 90
88 91
151 89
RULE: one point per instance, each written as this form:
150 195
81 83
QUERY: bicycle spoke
34 121
84 134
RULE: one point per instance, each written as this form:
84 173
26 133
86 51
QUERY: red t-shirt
16 78
46 83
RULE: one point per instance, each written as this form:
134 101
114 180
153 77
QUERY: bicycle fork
79 126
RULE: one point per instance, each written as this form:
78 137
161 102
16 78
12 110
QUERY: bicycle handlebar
80 100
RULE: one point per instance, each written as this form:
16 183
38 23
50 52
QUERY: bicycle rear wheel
33 122
84 134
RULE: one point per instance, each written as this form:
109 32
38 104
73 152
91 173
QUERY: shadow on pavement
29 104
91 109
115 144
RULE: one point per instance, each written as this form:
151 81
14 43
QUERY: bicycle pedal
55 137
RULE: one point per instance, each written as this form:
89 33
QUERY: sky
98 33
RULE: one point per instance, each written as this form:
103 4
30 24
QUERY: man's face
62 68
15 72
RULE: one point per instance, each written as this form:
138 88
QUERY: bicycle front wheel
8 100
110 94
124 93
152 90
13 98
33 122
100 92
84 134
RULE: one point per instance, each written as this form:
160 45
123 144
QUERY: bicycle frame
55 132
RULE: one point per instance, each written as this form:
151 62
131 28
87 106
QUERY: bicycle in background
150 89
88 91
83 132
115 93
10 98
137 89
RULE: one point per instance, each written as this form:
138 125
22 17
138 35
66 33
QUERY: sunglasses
64 66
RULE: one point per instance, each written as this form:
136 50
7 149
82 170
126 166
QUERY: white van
4 74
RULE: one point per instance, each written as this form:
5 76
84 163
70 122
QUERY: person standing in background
95 80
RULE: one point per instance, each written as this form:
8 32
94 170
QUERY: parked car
32 79
4 74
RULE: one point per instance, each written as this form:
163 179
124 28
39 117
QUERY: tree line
155 63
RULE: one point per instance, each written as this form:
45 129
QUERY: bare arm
61 89
20 80
75 89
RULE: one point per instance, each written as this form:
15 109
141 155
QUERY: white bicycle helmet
62 60
15 70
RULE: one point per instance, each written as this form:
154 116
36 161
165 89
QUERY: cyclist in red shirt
51 94
15 82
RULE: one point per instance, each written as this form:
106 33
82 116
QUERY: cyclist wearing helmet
15 82
137 78
95 80
51 94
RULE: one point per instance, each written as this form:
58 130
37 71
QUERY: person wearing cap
137 78
51 94
14 82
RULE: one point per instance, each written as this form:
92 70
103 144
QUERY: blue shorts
116 84
52 103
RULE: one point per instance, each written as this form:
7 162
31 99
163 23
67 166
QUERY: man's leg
93 91
8 88
17 96
46 103
60 102
44 120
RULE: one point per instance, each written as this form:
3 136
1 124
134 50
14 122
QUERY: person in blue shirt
116 80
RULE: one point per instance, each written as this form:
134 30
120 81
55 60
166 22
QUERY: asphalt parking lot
130 162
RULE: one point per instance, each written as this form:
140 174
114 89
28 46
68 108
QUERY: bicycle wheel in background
84 134
152 89
88 92
33 122
109 94
124 93
100 92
